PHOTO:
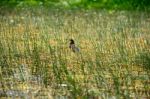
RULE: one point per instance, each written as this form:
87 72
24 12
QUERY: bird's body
72 46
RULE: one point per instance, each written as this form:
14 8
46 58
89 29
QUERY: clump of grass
143 59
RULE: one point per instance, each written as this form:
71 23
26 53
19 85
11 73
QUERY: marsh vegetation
36 62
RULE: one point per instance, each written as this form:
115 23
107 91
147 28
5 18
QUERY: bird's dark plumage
72 46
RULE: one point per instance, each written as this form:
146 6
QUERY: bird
73 47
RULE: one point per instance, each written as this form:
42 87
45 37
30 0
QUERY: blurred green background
81 4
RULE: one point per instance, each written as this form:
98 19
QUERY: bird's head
72 41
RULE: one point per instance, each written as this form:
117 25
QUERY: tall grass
34 54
